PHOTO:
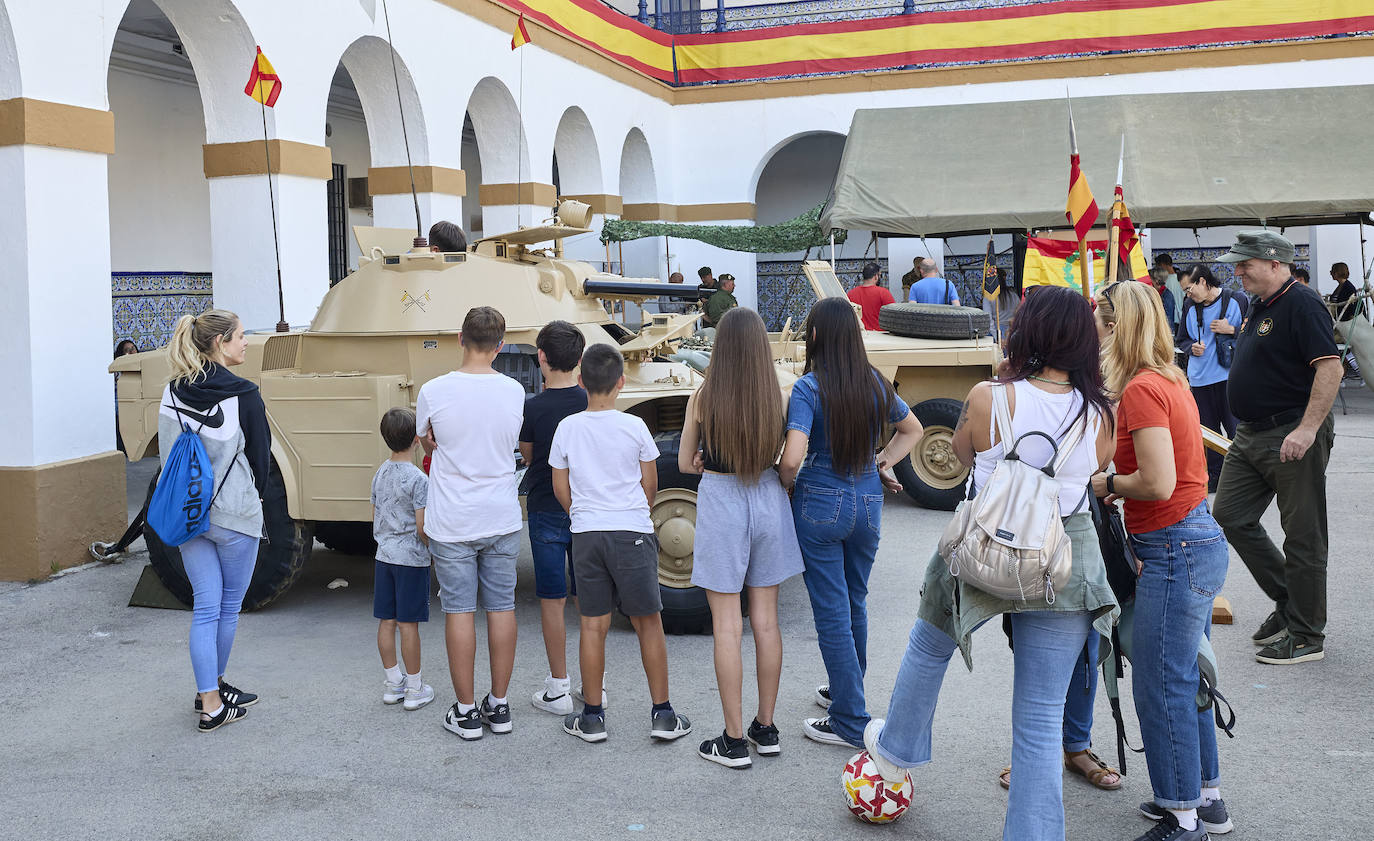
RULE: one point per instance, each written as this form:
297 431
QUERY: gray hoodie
228 412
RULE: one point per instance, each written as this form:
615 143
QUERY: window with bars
336 192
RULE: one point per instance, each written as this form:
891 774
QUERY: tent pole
832 250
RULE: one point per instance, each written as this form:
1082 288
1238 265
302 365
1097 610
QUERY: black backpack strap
1226 723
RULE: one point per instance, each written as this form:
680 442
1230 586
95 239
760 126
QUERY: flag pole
520 143
1083 256
282 326
1114 234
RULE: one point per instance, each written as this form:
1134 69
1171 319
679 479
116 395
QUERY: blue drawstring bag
180 506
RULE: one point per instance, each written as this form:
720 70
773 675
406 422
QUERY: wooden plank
1221 611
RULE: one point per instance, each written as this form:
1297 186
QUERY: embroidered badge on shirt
1265 326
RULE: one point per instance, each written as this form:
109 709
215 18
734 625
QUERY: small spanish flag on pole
1081 208
521 36
263 84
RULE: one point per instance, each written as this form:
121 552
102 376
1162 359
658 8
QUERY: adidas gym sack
179 508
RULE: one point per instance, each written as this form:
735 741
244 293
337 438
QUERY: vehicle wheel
933 474
281 557
348 538
674 512
934 321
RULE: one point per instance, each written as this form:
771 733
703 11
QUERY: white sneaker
823 696
578 697
891 773
418 696
393 693
553 700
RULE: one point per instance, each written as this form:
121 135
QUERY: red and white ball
869 797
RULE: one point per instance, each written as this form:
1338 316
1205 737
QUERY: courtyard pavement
97 738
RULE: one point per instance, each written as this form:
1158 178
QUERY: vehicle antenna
420 242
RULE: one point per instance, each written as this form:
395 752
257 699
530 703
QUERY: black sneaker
467 725
1289 651
666 725
1167 829
586 726
823 696
819 730
1270 630
496 717
227 713
764 738
1213 816
721 751
231 695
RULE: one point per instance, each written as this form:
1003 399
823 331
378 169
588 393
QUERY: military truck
392 325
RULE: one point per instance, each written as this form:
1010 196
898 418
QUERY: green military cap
1260 245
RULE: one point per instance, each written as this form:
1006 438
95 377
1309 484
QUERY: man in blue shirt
932 288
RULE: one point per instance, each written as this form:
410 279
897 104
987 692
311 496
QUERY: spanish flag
1081 208
263 84
1054 262
521 36
1128 241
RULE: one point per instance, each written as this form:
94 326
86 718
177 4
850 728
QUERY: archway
499 153
639 186
577 172
10 83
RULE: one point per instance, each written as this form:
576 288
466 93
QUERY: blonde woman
745 539
1161 472
228 413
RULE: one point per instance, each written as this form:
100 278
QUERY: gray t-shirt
399 490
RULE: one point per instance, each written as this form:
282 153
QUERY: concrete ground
98 739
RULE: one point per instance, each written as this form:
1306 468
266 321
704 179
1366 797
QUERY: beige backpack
1009 539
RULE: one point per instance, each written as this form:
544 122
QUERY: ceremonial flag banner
1081 208
1128 241
521 36
990 285
1054 262
263 84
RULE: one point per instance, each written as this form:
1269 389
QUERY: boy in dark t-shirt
560 347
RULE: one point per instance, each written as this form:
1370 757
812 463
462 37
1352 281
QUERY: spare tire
281 556
934 321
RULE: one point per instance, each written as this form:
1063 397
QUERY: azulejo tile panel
785 293
147 305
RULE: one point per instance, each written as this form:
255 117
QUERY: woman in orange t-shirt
1161 472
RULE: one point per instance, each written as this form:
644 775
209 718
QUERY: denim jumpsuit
838 518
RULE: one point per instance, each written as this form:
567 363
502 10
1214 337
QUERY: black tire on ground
281 557
933 321
347 538
932 475
685 610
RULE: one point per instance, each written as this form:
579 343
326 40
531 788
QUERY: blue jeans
1048 643
219 565
1078 703
838 522
551 547
1184 565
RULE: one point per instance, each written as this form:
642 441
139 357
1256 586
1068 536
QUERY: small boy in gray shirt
400 595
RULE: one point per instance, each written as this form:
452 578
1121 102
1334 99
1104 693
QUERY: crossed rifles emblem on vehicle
408 301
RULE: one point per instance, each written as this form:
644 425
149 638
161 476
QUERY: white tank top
1042 411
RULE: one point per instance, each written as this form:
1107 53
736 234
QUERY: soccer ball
869 797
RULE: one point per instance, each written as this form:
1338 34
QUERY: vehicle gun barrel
632 289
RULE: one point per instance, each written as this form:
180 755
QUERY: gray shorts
745 536
616 565
486 566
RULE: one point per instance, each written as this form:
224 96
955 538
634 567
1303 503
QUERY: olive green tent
799 234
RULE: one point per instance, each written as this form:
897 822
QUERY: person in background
123 348
1344 291
1284 377
1161 474
1158 279
932 288
910 278
706 287
869 295
446 237
1302 276
1003 307
836 418
1209 313
722 300
673 304
1173 284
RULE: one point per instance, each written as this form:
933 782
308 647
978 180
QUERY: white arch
778 147
502 143
638 183
579 159
10 83
368 62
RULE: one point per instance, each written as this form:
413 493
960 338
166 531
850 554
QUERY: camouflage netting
797 234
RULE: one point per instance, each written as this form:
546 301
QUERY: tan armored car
391 326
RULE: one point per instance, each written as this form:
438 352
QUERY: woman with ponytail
228 414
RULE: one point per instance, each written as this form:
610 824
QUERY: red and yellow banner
521 36
263 84
1054 262
1004 33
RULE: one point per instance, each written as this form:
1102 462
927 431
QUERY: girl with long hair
744 533
1052 383
1161 473
836 420
228 414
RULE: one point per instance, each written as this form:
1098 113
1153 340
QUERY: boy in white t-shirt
604 474
469 421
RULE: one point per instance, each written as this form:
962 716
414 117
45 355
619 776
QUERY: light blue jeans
1078 703
1048 643
1183 568
219 564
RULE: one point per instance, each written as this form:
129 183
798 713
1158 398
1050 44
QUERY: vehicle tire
674 512
934 321
348 538
281 557
933 475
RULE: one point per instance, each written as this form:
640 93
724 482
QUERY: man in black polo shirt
1284 378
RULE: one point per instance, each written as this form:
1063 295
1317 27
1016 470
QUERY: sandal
1093 775
1005 778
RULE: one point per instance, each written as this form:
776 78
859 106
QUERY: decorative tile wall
965 271
148 304
785 293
